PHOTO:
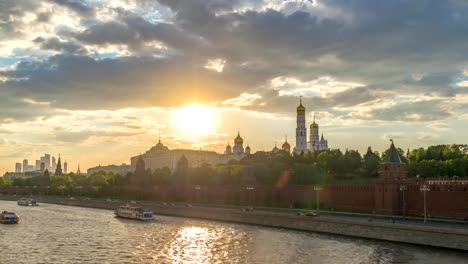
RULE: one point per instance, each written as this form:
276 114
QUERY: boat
9 218
27 202
134 212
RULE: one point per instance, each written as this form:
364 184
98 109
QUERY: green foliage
438 161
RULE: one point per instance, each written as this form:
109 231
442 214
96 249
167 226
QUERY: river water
62 234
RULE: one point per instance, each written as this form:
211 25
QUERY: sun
195 119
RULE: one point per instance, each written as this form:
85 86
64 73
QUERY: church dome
286 146
158 148
238 140
228 149
300 108
247 149
314 125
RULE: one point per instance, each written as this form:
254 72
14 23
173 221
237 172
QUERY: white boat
8 218
134 212
27 202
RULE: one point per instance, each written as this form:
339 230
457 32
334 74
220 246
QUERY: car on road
247 209
300 213
311 213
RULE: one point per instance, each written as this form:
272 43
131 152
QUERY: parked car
247 209
300 213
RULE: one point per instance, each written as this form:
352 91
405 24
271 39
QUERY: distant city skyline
99 81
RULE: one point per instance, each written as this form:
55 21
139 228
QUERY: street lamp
404 188
317 190
424 188
251 198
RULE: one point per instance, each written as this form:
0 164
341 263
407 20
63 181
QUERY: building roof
392 155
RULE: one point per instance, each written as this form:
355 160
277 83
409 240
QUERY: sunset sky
99 80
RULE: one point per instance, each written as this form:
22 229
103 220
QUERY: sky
99 81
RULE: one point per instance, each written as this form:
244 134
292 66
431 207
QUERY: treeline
439 161
271 169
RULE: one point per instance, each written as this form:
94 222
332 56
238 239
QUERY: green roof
392 155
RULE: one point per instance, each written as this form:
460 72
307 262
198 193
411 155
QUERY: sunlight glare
195 119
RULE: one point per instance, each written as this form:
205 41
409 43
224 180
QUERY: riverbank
452 238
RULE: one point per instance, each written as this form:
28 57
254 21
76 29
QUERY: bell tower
301 130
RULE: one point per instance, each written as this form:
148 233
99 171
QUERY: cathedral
315 142
237 152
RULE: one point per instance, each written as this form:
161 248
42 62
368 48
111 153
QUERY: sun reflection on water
193 244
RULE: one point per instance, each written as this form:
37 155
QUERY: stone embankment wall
421 235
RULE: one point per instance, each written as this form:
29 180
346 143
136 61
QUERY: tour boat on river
134 212
8 218
27 202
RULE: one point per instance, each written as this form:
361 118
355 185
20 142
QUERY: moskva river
63 234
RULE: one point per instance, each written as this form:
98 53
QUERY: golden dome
238 140
300 108
314 125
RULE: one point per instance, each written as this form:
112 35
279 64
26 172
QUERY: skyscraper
47 161
65 167
18 167
54 164
25 165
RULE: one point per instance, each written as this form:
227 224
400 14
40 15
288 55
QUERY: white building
315 142
301 130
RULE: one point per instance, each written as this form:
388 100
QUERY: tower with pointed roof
301 130
392 174
392 168
58 170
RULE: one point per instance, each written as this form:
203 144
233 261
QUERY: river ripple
61 234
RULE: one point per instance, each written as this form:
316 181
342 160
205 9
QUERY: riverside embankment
453 238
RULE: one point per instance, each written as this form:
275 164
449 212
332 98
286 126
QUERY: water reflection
192 244
59 234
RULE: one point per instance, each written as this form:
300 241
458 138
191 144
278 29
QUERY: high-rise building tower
58 170
25 165
54 164
65 167
301 130
18 167
47 161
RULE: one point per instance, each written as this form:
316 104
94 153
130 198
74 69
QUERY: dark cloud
56 44
77 6
382 46
80 82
